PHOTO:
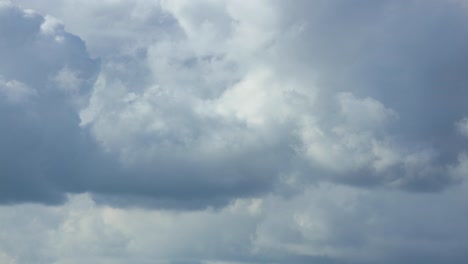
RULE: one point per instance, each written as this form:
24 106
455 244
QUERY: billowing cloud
224 86
47 79
234 132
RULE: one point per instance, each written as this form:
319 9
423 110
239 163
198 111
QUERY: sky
234 131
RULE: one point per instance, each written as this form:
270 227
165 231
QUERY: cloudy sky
234 131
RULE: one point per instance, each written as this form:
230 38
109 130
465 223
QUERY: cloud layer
324 224
279 132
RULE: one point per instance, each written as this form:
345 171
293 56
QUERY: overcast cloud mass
234 131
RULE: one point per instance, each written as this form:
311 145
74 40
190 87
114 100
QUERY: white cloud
364 113
15 91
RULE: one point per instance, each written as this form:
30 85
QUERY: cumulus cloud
47 153
244 113
233 132
236 98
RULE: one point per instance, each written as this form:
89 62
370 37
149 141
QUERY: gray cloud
185 119
234 132
46 79
42 143
325 224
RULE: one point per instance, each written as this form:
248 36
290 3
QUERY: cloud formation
324 224
238 132
42 144
280 86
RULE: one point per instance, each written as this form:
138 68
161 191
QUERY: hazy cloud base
304 131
